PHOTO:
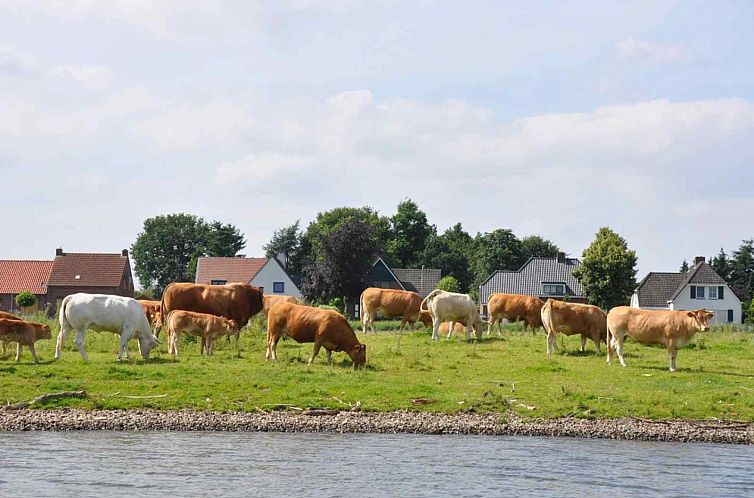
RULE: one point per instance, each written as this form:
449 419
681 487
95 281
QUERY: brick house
68 273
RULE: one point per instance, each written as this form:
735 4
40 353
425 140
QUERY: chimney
698 259
124 253
59 252
561 257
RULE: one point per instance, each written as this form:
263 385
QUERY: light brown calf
573 318
9 316
392 303
208 327
514 308
152 311
672 328
24 334
325 328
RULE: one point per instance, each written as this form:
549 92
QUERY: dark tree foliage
535 246
330 220
168 247
287 242
608 270
439 253
721 264
410 233
684 267
496 250
343 260
742 270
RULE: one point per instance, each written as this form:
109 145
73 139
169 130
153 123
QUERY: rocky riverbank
367 422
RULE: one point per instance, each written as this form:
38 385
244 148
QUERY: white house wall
269 274
719 306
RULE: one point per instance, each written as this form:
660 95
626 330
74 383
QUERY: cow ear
691 314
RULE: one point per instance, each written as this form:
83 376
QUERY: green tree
742 270
684 267
288 242
449 284
608 270
453 263
169 245
721 264
25 299
496 250
535 246
410 233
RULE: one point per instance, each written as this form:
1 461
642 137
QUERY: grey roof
420 280
529 278
657 288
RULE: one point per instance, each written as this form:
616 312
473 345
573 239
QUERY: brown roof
229 269
86 269
24 275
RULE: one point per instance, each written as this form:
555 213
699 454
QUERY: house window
713 292
553 289
730 316
278 287
218 282
700 292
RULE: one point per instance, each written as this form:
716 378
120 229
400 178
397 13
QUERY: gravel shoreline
380 423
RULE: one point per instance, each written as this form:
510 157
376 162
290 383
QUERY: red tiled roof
93 270
24 275
229 269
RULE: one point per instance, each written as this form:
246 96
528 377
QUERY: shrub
25 299
449 283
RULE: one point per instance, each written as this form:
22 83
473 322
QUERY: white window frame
552 289
282 284
712 290
700 295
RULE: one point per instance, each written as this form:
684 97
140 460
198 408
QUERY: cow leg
583 343
450 330
175 340
272 348
33 352
18 351
314 353
203 344
435 329
65 329
126 334
79 341
672 352
618 344
210 346
552 342
596 340
4 347
328 353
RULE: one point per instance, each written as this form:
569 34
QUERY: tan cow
392 303
446 306
9 316
514 308
573 318
208 327
325 328
672 328
270 300
152 311
445 328
23 333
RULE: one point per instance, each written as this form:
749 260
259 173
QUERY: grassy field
405 371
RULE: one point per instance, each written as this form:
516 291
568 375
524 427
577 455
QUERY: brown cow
270 300
24 334
573 318
9 316
514 308
208 327
235 301
152 311
393 303
325 328
672 328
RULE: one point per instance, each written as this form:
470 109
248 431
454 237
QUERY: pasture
404 371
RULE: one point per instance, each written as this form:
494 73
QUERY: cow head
701 318
425 318
231 326
146 343
42 331
479 327
358 354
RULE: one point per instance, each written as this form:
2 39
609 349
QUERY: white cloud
91 76
17 64
656 52
261 167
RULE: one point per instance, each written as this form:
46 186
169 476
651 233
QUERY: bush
449 283
25 299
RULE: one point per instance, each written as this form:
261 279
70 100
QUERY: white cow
446 306
102 312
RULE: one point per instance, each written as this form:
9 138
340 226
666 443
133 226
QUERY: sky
548 118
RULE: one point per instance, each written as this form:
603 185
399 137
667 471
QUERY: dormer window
553 289
77 277
218 282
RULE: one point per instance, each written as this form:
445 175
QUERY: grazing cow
672 328
393 303
102 312
23 333
514 308
235 301
152 311
573 318
208 327
446 306
445 328
273 299
325 328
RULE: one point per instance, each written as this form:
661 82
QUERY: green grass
715 377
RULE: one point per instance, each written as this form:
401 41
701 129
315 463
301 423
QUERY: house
18 276
266 273
68 273
700 287
419 280
544 278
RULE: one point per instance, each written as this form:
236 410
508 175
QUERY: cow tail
64 323
546 315
362 310
429 297
162 308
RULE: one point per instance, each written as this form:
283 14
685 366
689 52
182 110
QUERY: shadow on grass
698 371
588 352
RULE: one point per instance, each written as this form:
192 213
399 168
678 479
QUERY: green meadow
405 371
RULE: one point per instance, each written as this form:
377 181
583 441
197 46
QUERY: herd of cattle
213 311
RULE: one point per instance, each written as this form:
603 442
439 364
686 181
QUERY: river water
274 464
